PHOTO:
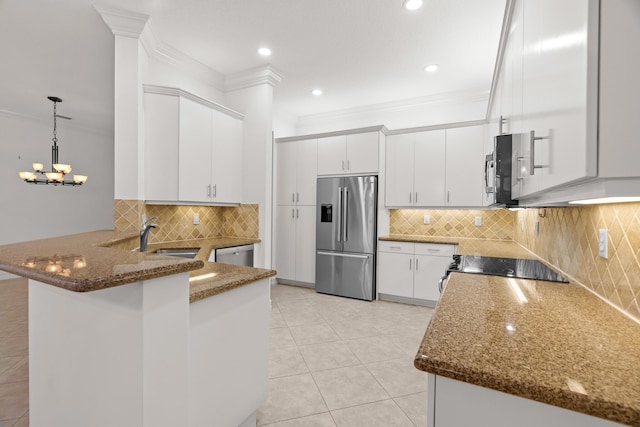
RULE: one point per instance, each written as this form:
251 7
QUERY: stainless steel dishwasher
237 255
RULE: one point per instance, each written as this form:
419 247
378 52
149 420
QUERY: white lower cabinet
412 270
296 243
487 407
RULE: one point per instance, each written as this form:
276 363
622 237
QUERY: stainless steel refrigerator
346 236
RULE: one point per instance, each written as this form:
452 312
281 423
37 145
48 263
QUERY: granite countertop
91 261
550 342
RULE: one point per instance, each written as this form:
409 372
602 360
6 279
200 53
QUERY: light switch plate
478 221
603 243
427 219
196 219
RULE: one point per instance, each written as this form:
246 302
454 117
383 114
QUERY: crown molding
257 76
174 91
123 22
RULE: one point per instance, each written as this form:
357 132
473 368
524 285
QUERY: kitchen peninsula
119 337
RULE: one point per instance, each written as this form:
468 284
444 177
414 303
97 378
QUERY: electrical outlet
427 219
478 221
536 228
603 243
196 219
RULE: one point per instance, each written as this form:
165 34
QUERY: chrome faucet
144 232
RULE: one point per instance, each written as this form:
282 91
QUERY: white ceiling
359 52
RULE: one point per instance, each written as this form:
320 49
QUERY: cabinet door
362 153
555 90
399 170
286 242
464 166
331 155
307 172
305 250
161 147
287 165
194 160
428 271
226 159
429 168
395 274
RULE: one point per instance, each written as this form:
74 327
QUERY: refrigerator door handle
339 214
343 255
345 212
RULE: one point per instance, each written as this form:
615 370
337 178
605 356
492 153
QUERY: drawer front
400 247
435 249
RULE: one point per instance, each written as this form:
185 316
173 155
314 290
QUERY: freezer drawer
345 274
237 255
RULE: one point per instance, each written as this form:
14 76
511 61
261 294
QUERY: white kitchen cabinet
193 149
295 244
297 170
415 169
464 166
487 407
348 154
411 271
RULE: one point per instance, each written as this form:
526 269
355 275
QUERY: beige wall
176 222
568 239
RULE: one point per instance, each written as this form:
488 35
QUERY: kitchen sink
181 252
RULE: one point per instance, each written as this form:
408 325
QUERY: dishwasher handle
234 250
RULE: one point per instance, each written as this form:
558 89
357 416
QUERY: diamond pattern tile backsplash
568 239
496 224
176 222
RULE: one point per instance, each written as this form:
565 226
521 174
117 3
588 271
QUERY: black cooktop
507 267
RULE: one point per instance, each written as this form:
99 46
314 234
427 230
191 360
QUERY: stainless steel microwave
498 171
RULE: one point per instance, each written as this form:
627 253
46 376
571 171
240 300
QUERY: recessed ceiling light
431 68
316 92
412 4
264 51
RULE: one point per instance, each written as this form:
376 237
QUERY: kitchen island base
141 355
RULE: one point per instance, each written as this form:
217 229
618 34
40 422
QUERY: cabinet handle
501 123
416 198
447 196
409 197
209 191
433 250
416 264
215 190
293 197
343 165
297 213
395 247
293 213
348 165
410 263
297 197
532 155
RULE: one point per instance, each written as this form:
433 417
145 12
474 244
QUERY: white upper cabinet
348 154
435 168
465 166
297 164
193 149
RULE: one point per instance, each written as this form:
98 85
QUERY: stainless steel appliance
498 266
346 236
499 170
236 255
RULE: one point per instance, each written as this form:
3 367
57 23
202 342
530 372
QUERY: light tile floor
332 361
341 362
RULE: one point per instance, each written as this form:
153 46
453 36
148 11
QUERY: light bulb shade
62 168
80 179
37 166
54 176
27 176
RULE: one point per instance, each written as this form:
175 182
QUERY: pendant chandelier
58 170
